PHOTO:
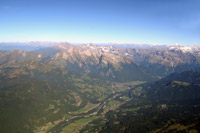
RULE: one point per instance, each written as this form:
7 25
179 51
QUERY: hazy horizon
95 43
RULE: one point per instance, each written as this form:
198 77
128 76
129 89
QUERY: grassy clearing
177 127
85 109
113 103
76 126
48 126
124 98
133 109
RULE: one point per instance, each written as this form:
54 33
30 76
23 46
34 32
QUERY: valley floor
76 121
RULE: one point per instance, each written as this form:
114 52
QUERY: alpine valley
61 87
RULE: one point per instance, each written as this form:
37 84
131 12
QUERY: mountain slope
165 61
187 76
98 62
35 94
168 105
161 61
80 59
17 56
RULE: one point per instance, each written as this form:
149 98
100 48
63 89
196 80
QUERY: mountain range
60 87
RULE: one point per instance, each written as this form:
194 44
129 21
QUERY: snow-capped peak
185 49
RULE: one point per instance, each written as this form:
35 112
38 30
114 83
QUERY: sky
101 21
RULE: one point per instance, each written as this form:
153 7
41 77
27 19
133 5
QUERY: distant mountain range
38 45
27 46
109 61
83 60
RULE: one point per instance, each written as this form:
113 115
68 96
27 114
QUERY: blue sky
132 21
